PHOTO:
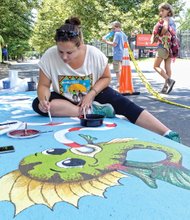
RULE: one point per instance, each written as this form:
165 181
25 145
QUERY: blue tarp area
115 171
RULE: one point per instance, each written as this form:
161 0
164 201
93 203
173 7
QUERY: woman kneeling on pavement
80 76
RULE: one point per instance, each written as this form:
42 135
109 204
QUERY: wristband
96 93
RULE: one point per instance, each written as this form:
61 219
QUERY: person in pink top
164 32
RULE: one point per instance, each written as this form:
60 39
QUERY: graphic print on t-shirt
74 87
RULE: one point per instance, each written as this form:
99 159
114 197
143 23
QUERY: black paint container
91 120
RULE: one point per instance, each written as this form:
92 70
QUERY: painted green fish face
61 165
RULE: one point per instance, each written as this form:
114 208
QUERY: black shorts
121 104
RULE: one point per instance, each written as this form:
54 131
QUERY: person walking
72 68
118 47
163 33
4 53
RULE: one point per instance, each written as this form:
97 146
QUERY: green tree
51 15
184 22
16 22
139 14
96 16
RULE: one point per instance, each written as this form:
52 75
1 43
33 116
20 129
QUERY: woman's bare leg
167 64
157 63
60 107
148 121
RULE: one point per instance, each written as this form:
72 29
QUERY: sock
167 132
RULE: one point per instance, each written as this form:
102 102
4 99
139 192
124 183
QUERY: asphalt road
176 118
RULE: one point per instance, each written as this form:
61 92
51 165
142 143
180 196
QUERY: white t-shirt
69 82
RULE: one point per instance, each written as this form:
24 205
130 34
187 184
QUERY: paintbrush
49 113
8 123
84 113
50 118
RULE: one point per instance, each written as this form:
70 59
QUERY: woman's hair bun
73 21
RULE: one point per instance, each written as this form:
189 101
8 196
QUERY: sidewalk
25 69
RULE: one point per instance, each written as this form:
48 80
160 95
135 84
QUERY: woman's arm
113 44
165 26
153 37
100 84
43 91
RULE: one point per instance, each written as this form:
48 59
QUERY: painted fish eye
56 151
71 163
85 150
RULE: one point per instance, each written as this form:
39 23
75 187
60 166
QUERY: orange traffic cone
125 84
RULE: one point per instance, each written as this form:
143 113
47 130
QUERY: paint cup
6 84
31 86
13 77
